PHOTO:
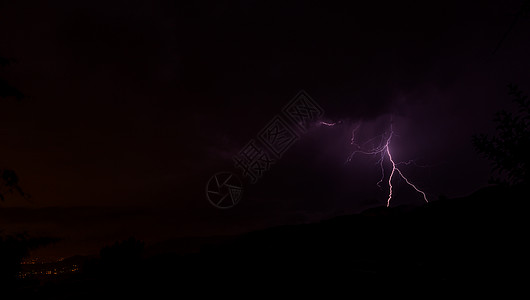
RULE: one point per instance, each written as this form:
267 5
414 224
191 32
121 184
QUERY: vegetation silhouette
9 181
508 150
13 247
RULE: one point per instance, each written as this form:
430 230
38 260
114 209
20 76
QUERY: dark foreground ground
474 244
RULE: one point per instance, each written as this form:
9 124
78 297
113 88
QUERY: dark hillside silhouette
449 245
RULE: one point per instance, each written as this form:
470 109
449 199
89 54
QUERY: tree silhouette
13 248
8 178
509 148
9 184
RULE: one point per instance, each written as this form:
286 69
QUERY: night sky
131 106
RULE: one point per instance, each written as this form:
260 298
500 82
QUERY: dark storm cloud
140 102
429 66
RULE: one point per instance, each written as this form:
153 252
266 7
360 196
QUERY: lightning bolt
384 152
329 124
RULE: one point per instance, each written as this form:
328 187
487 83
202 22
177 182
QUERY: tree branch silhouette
9 181
509 148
